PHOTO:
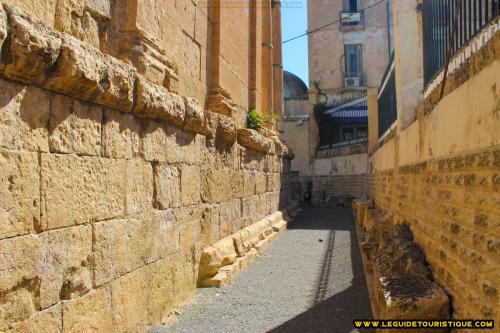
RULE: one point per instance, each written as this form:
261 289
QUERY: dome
294 87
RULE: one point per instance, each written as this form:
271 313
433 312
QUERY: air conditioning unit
352 82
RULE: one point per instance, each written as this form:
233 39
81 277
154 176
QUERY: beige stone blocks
19 193
121 135
49 320
74 127
167 186
78 190
190 184
215 185
90 313
120 246
34 48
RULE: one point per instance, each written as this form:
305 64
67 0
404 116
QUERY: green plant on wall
254 120
319 112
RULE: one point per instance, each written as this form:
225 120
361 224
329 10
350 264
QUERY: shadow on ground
335 313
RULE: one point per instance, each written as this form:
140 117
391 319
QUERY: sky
294 22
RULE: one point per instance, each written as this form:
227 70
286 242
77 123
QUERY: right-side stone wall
441 175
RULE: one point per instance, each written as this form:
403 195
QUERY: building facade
125 157
349 48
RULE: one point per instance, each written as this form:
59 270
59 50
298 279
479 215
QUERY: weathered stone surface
164 143
124 245
49 320
161 290
210 228
91 313
15 306
224 127
66 251
32 50
84 72
260 183
121 135
19 193
249 183
215 186
74 127
156 102
230 217
77 282
227 250
412 298
249 209
130 301
3 27
81 189
195 120
167 186
210 263
254 140
259 230
24 117
89 30
101 8
190 184
139 188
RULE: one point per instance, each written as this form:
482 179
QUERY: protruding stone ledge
37 54
221 262
254 140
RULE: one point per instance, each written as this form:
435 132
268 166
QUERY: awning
354 112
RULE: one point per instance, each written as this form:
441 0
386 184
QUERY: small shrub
254 120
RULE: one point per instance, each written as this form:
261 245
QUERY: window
353 6
353 60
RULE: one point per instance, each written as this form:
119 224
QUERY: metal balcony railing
450 24
387 100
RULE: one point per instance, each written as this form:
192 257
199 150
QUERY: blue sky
294 22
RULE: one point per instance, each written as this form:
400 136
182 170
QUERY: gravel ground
310 280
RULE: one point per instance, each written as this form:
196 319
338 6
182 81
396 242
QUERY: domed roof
294 87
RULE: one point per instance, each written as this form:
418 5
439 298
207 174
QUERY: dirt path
310 280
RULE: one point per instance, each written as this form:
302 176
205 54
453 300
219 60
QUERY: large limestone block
66 251
84 72
250 209
121 246
140 188
210 225
230 217
49 320
259 230
77 190
167 186
190 184
24 117
19 193
210 263
215 186
254 140
121 135
227 250
130 301
101 8
32 50
160 290
260 183
195 120
249 183
15 306
412 298
74 127
90 313
224 127
156 102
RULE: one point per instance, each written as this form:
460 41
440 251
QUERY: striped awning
352 112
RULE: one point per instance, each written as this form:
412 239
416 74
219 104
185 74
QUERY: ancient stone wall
114 176
441 176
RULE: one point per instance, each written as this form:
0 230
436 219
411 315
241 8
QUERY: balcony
352 21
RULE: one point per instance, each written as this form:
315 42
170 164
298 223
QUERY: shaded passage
310 280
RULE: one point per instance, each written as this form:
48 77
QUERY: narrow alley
310 280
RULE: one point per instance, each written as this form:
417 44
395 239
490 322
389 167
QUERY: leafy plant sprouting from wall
319 112
254 120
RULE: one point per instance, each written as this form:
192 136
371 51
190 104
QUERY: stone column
277 60
408 45
266 106
372 119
